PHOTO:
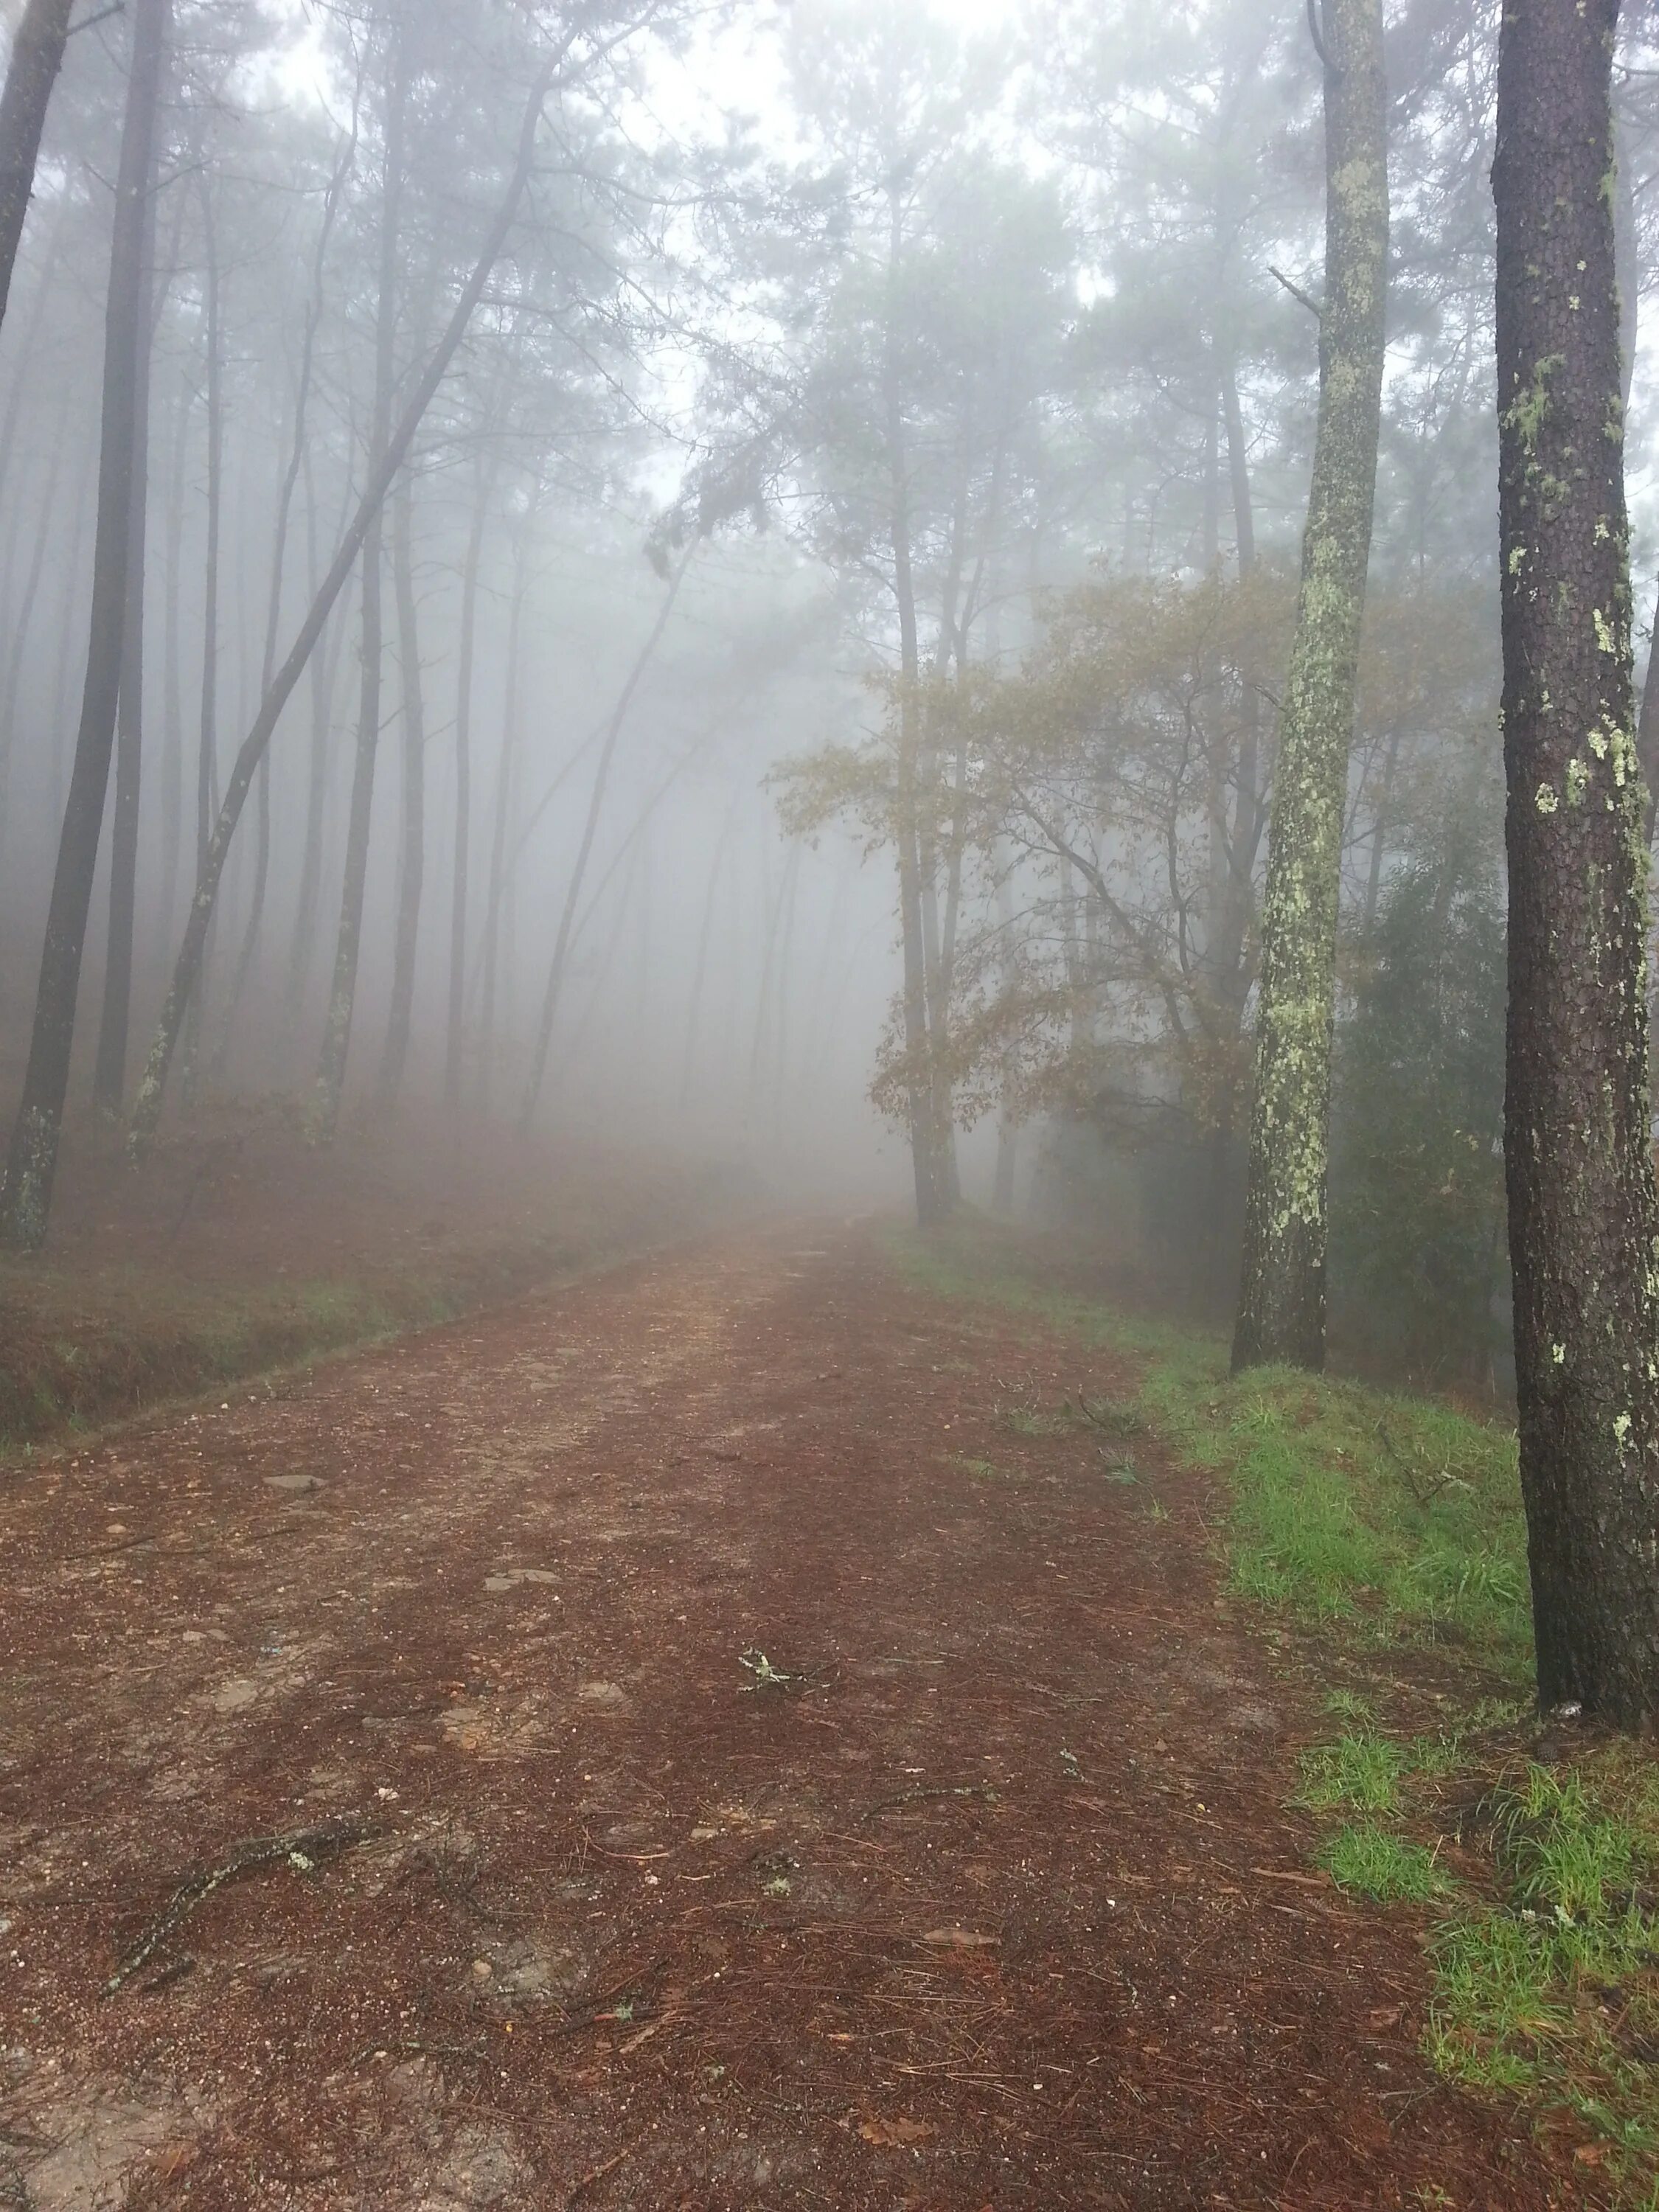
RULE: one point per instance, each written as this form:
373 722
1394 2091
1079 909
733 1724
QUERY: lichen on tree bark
1281 1313
1583 1217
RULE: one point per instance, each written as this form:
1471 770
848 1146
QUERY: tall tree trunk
1281 1312
324 670
37 54
931 1203
26 1200
207 741
71 623
325 1111
455 1022
506 768
1583 1217
147 1107
295 464
394 1058
24 620
173 704
590 826
110 1071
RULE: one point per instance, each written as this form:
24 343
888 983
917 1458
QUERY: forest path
995 1904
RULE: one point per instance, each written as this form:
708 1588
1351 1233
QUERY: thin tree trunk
394 1059
455 1026
1583 1217
147 1107
207 742
72 624
24 382
110 1070
173 706
296 462
325 680
26 1200
37 54
931 1204
1281 1312
325 1112
595 801
506 766
25 617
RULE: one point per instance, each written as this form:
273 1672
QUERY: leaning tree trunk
595 801
37 54
26 1202
1583 1217
1281 1310
147 1107
110 1071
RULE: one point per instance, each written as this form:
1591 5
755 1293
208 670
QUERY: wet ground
709 1736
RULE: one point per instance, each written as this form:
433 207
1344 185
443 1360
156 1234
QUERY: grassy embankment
1379 1538
165 1287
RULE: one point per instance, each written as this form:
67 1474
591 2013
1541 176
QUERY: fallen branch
303 1849
918 1796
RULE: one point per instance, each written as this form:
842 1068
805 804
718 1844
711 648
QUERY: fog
880 431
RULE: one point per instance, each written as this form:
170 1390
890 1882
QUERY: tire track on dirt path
794 1785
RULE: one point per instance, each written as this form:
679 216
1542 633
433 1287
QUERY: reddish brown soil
633 1930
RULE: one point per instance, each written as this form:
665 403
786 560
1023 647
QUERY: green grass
1372 1528
1361 1771
1376 1862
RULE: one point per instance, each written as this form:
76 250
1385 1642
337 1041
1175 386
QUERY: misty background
844 361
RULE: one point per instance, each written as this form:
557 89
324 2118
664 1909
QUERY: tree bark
1583 1217
37 54
146 1108
31 1166
1281 1312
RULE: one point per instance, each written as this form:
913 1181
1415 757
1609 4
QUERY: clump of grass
1362 1771
1348 1706
1374 1861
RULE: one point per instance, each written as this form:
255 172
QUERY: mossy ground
1381 1537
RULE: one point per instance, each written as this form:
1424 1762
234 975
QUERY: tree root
303 1849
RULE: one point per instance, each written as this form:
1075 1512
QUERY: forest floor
674 1741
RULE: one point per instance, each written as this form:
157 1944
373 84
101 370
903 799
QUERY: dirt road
993 1902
